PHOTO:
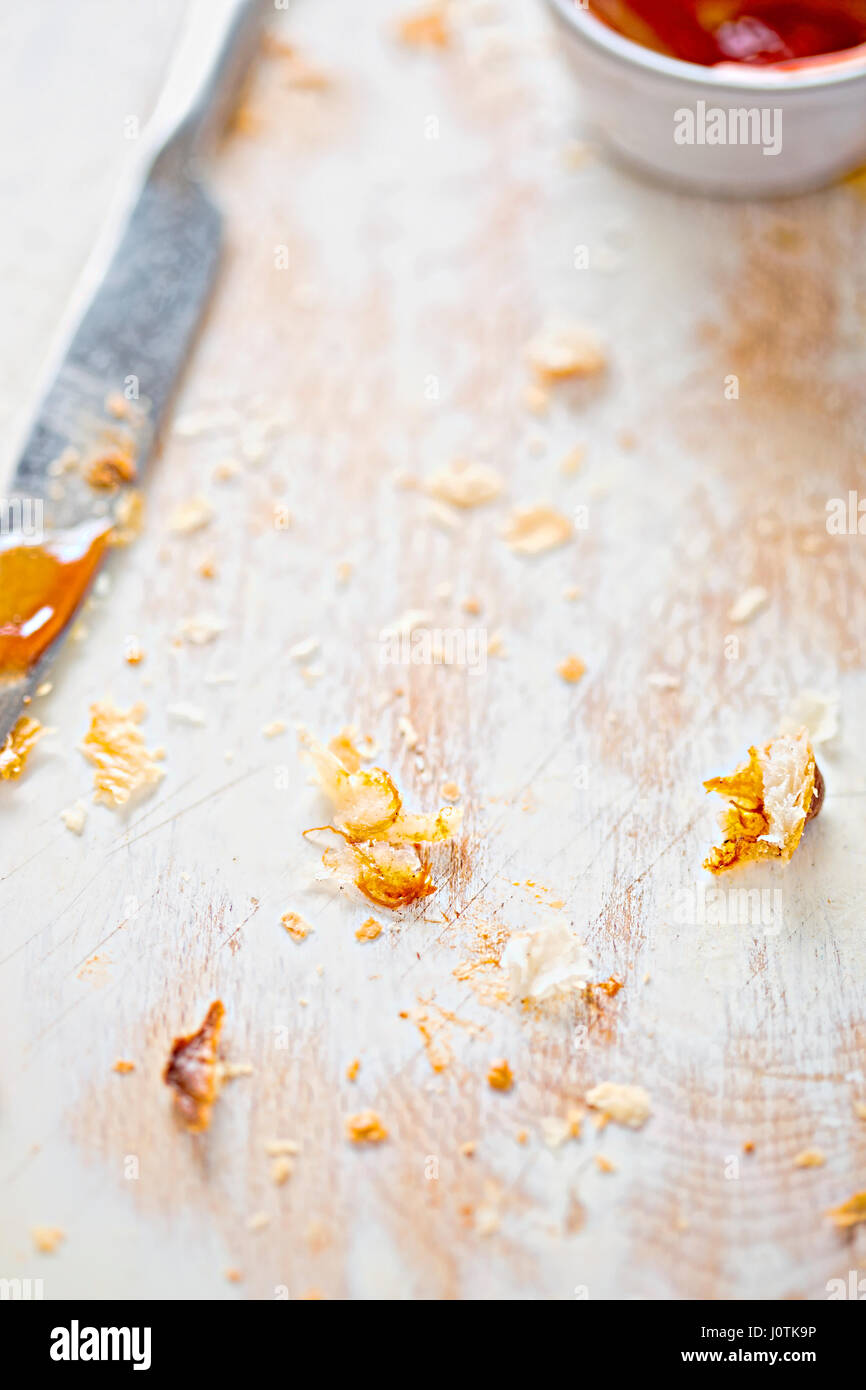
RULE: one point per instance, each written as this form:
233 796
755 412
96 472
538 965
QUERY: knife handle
218 41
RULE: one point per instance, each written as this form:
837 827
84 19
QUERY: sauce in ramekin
754 32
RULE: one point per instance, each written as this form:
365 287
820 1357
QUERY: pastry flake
193 1073
770 799
625 1105
18 747
115 746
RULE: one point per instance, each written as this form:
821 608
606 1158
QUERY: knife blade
134 318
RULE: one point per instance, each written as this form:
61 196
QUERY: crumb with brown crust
193 1073
365 1127
850 1213
47 1238
115 746
770 800
500 1077
18 746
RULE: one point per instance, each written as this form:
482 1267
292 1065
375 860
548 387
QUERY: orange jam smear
41 584
756 32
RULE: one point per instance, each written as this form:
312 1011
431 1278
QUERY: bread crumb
860 1109
500 1076
115 746
573 460
750 602
562 349
604 1165
192 515
74 817
850 1213
275 727
296 926
192 1073
365 1127
201 629
234 1275
123 1066
450 791
352 1069
810 1158
18 746
468 1149
281 1170
571 669
47 1238
426 28
533 530
369 930
464 484
770 797
625 1105
258 1221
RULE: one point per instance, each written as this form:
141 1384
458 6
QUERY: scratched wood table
399 222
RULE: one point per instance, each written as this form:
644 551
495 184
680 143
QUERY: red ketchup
757 32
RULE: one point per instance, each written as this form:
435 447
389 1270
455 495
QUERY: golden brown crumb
465 484
352 1069
18 747
425 28
565 350
533 530
191 515
850 1213
123 1066
275 1147
274 728
522 1136
571 669
860 1109
810 1158
281 1170
604 1165
500 1076
234 1275
573 460
377 842
450 791
770 799
365 1127
128 518
47 1238
192 1071
625 1105
109 470
468 1149
749 1146
133 653
369 930
116 747
296 926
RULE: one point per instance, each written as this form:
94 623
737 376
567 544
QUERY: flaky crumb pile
115 745
625 1105
365 1127
18 747
770 798
192 1071
378 844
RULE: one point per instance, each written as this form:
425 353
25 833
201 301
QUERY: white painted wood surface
411 259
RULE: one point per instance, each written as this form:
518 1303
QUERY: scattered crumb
488 1219
272 730
769 798
133 652
258 1221
353 1068
128 518
201 629
573 460
533 530
556 1129
469 1148
426 28
571 669
860 1109
109 470
850 1213
749 1146
408 732
74 817
18 747
192 515
281 1170
750 602
234 1276
662 680
625 1105
47 1238
500 1076
369 930
297 927
604 1165
450 791
115 746
185 713
810 1158
301 650
545 962
465 484
365 1127
818 714
275 1148
123 1066
192 1072
536 399
565 350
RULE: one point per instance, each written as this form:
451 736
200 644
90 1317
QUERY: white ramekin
637 98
